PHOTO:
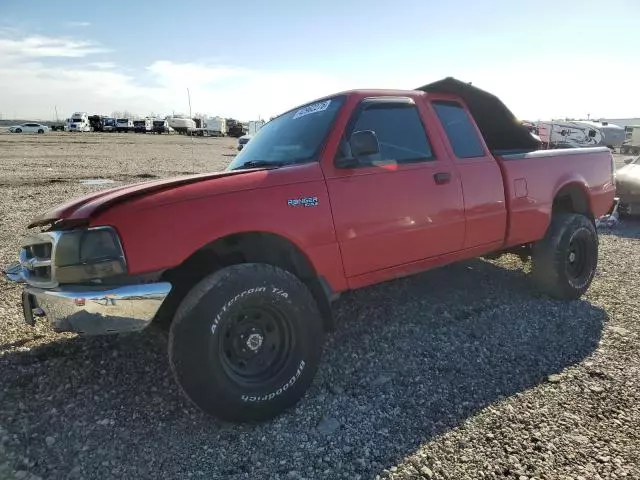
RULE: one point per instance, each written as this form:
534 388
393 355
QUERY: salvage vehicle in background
351 190
29 128
628 186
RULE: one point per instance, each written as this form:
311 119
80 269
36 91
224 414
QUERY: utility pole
189 97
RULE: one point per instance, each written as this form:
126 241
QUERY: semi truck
79 122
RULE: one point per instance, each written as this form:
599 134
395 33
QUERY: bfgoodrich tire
565 260
246 342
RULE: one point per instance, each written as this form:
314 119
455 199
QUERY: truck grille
36 259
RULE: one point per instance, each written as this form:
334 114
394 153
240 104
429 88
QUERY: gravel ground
459 373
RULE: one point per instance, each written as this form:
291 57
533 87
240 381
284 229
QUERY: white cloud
31 87
103 65
78 24
40 46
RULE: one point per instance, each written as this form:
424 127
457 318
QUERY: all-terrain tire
565 260
246 342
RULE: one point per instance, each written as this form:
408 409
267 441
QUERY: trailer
143 125
59 126
211 127
160 126
235 128
109 124
578 133
96 122
254 125
124 125
631 143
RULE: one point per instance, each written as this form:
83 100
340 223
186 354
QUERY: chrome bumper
93 310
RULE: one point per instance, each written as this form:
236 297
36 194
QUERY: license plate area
28 304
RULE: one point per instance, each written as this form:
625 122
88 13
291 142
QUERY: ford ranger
349 190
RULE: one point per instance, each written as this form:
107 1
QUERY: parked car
347 191
628 186
243 140
29 128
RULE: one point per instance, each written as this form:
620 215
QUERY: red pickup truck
350 190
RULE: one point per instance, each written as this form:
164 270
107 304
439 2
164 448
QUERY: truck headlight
88 255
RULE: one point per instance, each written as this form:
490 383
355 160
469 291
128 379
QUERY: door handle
442 177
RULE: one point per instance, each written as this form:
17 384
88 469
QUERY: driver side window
401 134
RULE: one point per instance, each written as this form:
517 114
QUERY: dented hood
83 208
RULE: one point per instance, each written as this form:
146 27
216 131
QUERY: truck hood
84 207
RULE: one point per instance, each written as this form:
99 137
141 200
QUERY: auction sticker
313 108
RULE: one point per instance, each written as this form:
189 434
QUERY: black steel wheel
246 342
565 260
255 344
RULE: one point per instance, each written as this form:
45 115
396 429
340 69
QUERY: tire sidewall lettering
270 396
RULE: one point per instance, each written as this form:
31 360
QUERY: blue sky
543 58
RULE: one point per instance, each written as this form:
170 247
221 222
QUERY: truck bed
529 193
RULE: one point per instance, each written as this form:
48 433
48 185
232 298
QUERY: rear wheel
565 260
246 342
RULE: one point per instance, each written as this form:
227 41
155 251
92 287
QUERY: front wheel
565 260
18 130
246 342
40 131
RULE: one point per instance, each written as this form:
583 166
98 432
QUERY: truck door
402 206
484 197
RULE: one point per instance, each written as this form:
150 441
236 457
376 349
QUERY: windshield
294 137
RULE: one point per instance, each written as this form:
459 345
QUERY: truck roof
500 128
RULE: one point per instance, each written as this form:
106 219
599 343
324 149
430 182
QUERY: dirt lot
460 373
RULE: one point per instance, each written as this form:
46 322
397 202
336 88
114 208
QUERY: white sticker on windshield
316 107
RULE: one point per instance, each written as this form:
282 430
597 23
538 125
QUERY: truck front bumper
92 310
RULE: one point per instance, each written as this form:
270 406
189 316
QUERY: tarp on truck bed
502 131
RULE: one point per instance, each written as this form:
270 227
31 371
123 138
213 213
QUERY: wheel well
572 199
251 247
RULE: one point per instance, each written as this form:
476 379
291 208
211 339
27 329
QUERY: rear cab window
401 134
460 131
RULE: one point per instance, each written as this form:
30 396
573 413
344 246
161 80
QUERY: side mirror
361 143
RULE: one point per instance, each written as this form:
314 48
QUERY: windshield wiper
258 164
